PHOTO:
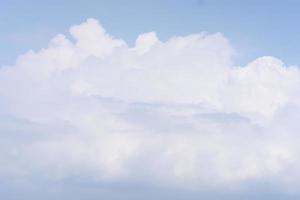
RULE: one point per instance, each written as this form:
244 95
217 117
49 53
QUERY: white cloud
145 41
175 112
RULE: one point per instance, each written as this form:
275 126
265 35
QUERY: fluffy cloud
177 113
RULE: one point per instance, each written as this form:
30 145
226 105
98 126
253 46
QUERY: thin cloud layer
175 113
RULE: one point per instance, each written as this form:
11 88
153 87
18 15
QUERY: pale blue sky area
254 27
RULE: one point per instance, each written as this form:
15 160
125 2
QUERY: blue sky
142 100
254 27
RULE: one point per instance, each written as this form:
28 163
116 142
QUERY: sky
160 100
254 27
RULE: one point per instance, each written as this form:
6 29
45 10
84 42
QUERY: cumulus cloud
176 113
